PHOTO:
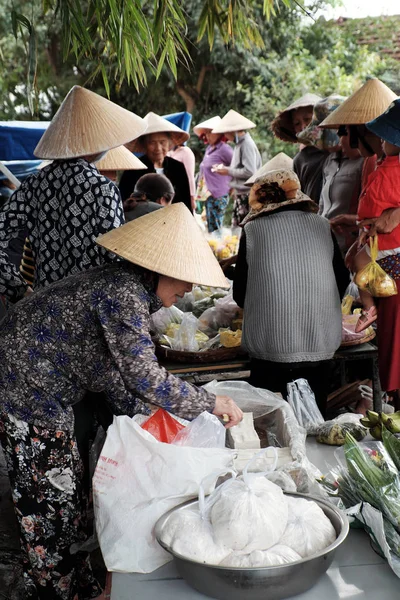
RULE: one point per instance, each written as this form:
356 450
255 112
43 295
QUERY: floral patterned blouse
90 331
62 210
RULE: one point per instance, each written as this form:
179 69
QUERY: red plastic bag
162 426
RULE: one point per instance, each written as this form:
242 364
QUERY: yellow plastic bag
373 278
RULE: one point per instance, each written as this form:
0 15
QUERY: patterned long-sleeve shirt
63 208
90 331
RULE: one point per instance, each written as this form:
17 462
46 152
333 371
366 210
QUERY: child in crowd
381 192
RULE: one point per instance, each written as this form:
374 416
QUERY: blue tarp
18 139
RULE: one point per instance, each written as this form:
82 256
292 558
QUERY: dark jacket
173 169
308 164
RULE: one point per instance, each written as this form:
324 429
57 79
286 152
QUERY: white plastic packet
205 431
277 555
249 513
308 529
189 532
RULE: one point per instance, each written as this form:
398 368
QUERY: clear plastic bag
369 475
220 315
275 417
161 319
334 432
185 337
205 431
302 400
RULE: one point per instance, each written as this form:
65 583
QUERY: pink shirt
185 155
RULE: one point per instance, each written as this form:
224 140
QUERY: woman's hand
221 170
226 406
341 221
388 220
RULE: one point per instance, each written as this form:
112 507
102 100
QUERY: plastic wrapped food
277 555
190 535
249 513
334 432
161 319
230 339
308 529
373 278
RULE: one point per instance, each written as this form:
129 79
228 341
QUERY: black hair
150 187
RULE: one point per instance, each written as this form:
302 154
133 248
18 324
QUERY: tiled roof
381 34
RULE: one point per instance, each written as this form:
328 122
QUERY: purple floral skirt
46 473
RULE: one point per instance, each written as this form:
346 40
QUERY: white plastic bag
249 513
277 555
205 431
138 479
308 529
220 315
189 532
302 400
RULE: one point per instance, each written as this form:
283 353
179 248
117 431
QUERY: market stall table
357 572
239 368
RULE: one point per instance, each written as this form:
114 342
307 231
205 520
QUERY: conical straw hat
233 121
86 124
280 161
282 126
367 103
207 125
169 242
157 124
119 159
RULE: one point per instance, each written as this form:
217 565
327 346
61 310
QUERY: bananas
375 421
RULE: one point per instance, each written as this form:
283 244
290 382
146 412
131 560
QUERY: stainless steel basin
268 583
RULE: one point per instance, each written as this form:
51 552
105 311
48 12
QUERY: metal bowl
267 583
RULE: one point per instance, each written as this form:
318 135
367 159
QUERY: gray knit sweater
292 307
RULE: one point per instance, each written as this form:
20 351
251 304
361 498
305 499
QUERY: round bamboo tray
198 357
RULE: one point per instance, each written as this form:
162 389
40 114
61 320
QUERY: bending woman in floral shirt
88 332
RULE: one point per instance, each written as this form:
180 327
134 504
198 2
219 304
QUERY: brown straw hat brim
367 103
168 242
120 159
87 124
233 121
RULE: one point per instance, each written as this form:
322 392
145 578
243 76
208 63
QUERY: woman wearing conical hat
292 316
307 163
65 206
366 104
91 331
161 135
214 187
246 160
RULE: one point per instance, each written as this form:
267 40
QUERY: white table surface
357 572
